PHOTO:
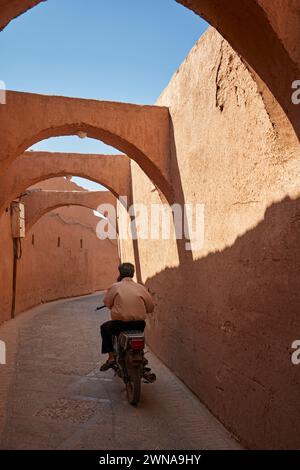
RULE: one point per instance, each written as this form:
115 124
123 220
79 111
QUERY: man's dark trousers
114 328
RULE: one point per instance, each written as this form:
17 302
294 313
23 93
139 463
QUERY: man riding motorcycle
129 302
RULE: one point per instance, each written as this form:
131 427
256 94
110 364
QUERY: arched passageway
61 254
265 40
141 132
112 171
40 202
230 158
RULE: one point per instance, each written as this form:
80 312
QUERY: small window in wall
81 243
58 242
32 239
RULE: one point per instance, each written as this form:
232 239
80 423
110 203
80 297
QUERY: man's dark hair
126 270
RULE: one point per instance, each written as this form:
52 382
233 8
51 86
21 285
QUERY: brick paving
52 395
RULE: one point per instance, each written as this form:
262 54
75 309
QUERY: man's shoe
149 377
107 365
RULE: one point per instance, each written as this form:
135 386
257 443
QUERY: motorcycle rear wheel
133 387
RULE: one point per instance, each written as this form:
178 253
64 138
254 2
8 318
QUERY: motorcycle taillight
137 344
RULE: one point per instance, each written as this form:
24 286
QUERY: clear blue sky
118 50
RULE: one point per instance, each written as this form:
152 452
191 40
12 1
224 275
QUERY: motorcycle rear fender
126 336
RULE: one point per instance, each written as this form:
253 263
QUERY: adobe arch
141 132
112 171
11 10
39 202
267 42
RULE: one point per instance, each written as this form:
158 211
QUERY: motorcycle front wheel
133 387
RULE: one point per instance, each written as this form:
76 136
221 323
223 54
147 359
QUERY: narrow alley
58 399
149 150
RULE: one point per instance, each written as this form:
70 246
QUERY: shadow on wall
225 324
184 256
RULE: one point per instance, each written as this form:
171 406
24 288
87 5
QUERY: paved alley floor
54 397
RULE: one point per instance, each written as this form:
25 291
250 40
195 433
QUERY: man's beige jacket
128 301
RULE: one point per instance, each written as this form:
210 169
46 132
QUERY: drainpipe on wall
17 212
17 252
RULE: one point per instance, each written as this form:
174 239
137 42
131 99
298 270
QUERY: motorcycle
131 364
